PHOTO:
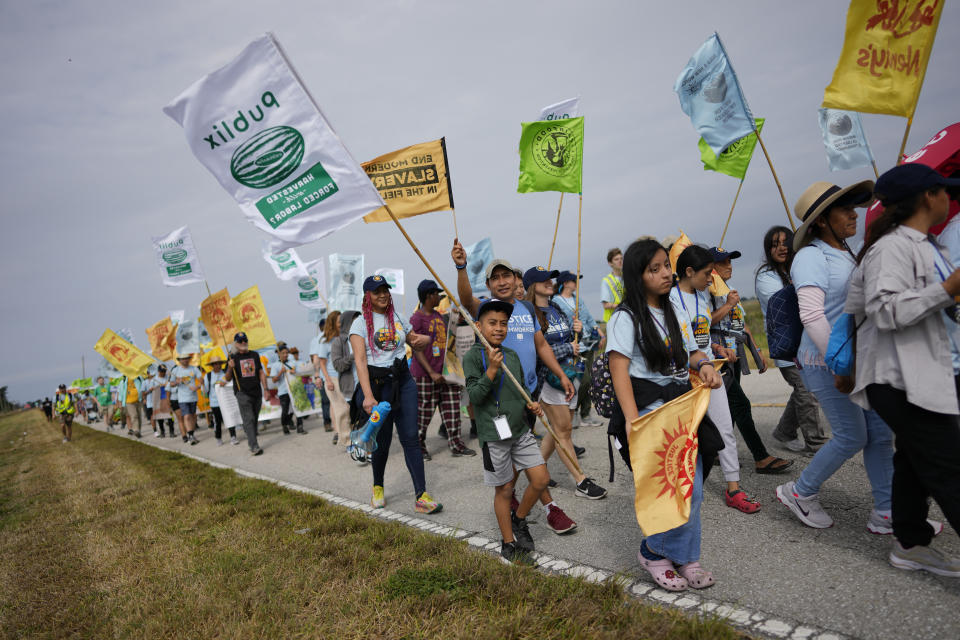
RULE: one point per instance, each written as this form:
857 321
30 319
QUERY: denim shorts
188 408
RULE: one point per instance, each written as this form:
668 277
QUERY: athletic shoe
924 558
882 525
796 445
558 521
551 483
219 441
258 452
157 434
233 440
462 451
521 532
510 553
579 451
129 432
65 440
193 439
442 431
740 501
286 431
378 501
807 509
591 490
426 504
336 438
301 430
591 422
327 426
514 505
426 454
161 435
139 435
185 438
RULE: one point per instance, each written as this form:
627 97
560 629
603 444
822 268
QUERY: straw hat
819 197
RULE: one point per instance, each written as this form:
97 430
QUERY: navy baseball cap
904 181
567 276
426 287
720 255
240 336
372 283
494 304
538 274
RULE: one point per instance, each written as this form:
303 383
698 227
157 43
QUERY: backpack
601 382
784 329
841 354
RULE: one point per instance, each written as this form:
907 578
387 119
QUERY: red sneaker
559 521
741 501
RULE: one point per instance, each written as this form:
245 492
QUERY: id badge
503 427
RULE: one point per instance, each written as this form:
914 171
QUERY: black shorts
149 412
174 405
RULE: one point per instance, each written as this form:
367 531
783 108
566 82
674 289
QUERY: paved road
835 579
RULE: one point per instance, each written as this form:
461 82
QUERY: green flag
551 156
82 383
735 159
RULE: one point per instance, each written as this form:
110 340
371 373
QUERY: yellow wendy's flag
162 338
412 180
217 317
718 288
128 360
884 57
663 454
250 316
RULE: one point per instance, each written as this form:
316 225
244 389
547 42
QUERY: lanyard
483 355
696 312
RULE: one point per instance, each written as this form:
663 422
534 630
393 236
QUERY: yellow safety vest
616 286
65 405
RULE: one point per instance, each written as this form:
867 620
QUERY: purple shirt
431 324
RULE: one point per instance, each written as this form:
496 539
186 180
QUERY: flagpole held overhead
786 207
903 145
735 198
556 228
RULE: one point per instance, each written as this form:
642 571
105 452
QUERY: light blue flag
710 94
479 255
188 337
844 139
346 281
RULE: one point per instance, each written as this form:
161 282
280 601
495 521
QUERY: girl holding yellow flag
650 346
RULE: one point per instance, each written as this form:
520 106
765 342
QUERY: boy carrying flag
503 431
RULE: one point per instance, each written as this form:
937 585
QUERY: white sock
546 507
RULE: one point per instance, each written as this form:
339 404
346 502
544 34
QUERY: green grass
106 537
755 324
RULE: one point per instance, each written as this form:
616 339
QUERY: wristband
460 267
702 362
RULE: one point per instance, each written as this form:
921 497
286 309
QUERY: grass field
107 537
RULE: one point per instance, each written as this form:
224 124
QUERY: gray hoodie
342 355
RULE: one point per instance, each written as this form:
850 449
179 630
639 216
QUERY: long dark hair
693 257
893 216
769 264
638 257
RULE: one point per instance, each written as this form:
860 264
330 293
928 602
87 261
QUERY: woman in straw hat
908 357
821 273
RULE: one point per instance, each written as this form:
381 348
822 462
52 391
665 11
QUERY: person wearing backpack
904 298
650 346
802 412
821 274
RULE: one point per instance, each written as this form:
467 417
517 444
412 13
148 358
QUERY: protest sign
886 48
126 358
218 316
413 180
177 257
551 156
346 281
162 338
250 316
229 409
286 265
300 401
254 126
562 110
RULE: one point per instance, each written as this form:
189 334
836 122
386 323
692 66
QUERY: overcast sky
90 168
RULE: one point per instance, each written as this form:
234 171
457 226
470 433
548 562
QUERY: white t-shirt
384 351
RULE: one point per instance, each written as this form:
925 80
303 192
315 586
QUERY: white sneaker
233 440
219 442
591 422
882 524
807 509
924 558
156 434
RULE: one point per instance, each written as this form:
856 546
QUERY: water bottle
363 441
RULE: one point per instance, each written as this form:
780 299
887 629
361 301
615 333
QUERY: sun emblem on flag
678 462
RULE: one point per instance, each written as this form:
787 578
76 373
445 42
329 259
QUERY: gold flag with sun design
663 454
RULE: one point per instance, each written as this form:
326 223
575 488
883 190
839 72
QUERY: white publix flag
253 125
562 110
310 285
177 258
346 281
844 139
286 265
394 278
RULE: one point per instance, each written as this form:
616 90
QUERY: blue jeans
853 430
403 414
682 545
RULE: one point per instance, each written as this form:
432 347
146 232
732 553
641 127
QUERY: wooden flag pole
226 351
456 231
576 308
464 314
873 163
903 145
786 207
735 198
555 229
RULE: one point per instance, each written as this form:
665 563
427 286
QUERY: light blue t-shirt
521 338
323 352
820 265
566 305
950 237
146 390
768 282
696 307
622 339
384 351
186 391
944 269
278 367
210 389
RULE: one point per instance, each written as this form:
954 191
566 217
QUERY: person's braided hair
367 308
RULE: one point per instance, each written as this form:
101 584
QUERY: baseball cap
428 286
372 283
720 254
494 304
538 274
281 345
62 386
497 263
567 276
905 180
240 336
